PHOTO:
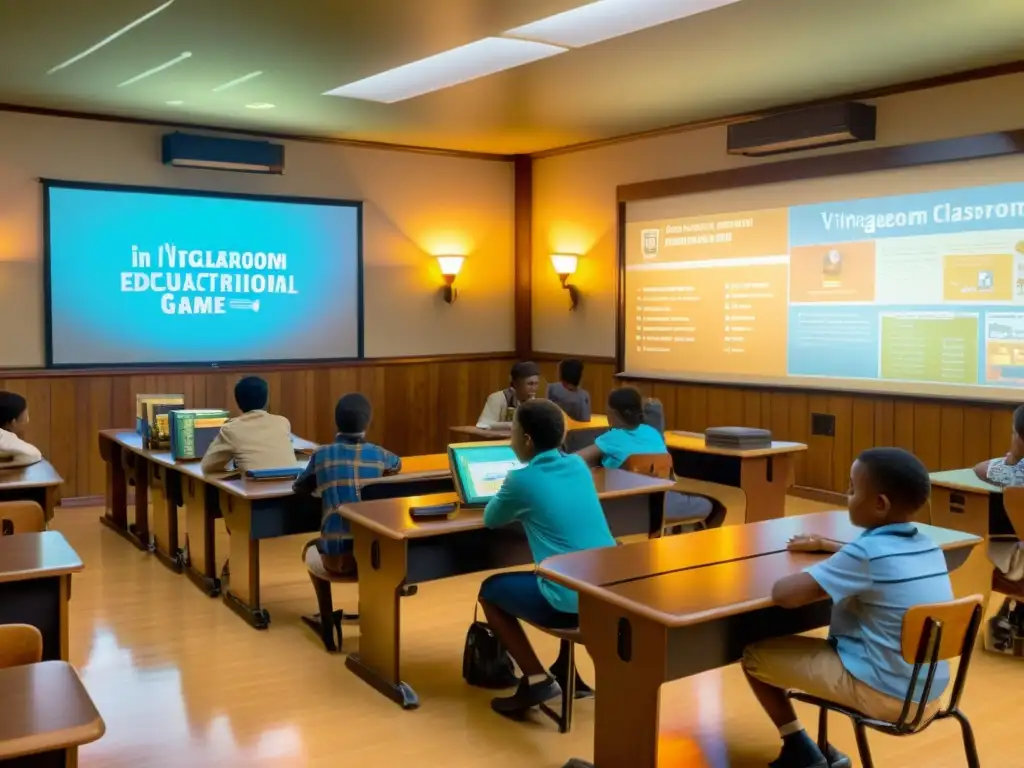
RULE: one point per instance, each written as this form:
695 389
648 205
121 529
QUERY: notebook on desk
479 470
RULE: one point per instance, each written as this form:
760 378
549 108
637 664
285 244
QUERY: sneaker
583 691
526 697
799 751
837 759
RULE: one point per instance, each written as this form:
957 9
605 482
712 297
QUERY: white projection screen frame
753 335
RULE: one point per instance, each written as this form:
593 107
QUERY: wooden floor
181 681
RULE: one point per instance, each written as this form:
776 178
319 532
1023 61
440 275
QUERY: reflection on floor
181 681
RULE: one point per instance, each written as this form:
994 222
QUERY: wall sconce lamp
565 266
450 266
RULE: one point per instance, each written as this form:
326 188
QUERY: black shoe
583 691
799 751
837 759
527 696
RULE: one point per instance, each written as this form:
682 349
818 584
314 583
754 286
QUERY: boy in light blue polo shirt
872 581
555 500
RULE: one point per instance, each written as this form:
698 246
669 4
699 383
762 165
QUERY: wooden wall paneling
928 433
65 425
842 443
951 437
977 435
1001 432
751 408
903 424
862 431
799 431
885 422
818 462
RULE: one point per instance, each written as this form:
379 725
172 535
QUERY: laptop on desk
478 470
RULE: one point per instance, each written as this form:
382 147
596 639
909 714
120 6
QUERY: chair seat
1004 586
931 710
571 635
315 565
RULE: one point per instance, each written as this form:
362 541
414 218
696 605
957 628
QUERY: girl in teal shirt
629 435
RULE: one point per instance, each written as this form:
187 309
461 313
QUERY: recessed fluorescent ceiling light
174 103
111 38
159 68
237 81
259 105
605 19
459 65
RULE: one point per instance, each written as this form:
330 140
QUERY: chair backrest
933 633
20 644
21 517
650 464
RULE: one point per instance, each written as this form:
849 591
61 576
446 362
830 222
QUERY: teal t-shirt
555 500
617 445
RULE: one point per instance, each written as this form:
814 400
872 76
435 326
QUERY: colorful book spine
192 431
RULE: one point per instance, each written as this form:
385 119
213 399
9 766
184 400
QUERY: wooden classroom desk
127 461
663 609
45 715
764 474
37 482
35 586
251 510
470 433
963 502
261 510
395 552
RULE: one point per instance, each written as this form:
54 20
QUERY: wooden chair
568 638
20 644
329 630
931 633
695 516
21 517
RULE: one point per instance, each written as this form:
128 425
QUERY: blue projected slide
150 276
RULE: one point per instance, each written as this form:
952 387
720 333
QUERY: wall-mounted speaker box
187 150
824 126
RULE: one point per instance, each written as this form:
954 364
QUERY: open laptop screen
479 470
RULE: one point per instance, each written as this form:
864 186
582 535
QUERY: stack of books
192 431
152 421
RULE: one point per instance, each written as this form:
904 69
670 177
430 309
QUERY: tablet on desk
479 470
279 473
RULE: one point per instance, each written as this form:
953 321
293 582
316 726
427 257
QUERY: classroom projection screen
908 281
141 276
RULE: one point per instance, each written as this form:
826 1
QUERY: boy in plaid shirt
336 473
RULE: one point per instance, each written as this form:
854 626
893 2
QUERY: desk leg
165 517
629 656
140 528
765 480
967 512
243 591
115 516
383 566
200 512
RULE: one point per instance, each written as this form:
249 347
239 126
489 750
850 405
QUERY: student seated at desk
254 440
554 499
567 393
630 434
335 473
500 406
1007 555
14 451
872 581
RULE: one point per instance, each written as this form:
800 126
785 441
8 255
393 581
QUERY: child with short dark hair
554 499
629 434
872 581
523 380
14 450
567 393
336 472
254 440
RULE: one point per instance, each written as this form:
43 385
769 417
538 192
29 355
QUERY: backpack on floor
485 662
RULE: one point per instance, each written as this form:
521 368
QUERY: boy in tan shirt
254 440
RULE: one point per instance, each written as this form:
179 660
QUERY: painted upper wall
574 208
416 206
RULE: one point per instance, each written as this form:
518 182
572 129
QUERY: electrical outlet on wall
823 424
